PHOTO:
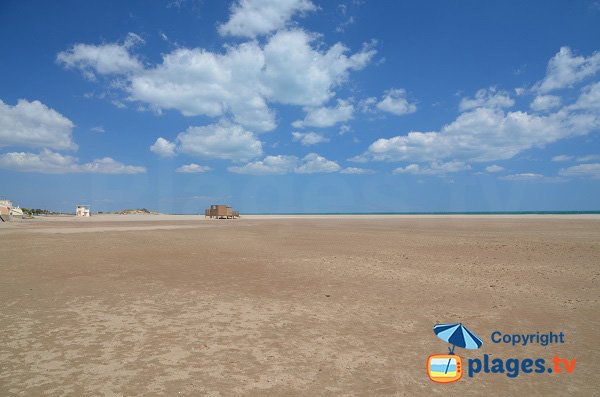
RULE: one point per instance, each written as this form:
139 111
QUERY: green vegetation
37 211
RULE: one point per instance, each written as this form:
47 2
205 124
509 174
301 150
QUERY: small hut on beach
221 211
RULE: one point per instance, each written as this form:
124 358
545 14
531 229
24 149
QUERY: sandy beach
273 305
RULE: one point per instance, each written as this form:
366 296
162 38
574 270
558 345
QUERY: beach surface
293 305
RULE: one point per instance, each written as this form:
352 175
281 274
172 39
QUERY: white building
6 209
82 210
16 211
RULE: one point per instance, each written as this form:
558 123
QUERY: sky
301 105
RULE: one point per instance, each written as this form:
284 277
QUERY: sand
168 305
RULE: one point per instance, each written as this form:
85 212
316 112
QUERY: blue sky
301 105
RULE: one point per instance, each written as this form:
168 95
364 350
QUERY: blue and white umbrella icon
457 335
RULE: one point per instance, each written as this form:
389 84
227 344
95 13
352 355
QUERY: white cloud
342 26
313 163
163 148
107 165
344 129
579 159
198 82
562 157
49 162
33 124
566 69
526 176
193 168
222 140
487 134
493 168
582 170
98 129
545 102
297 74
102 59
366 105
589 98
292 67
588 157
308 138
326 116
488 98
434 168
357 171
394 101
251 18
279 165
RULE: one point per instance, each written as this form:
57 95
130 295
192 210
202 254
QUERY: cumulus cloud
545 102
589 98
49 162
493 168
198 82
308 138
297 74
366 105
326 116
290 68
222 140
33 124
163 148
488 134
313 163
488 98
357 171
591 170
279 165
107 165
394 101
434 168
102 59
566 69
193 168
251 18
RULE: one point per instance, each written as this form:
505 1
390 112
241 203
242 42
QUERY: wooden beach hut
221 211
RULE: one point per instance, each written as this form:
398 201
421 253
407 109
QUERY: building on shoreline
5 207
82 210
221 211
9 211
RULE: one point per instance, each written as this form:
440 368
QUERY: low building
82 210
16 212
5 209
221 211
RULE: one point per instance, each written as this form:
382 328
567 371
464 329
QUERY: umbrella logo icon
447 368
